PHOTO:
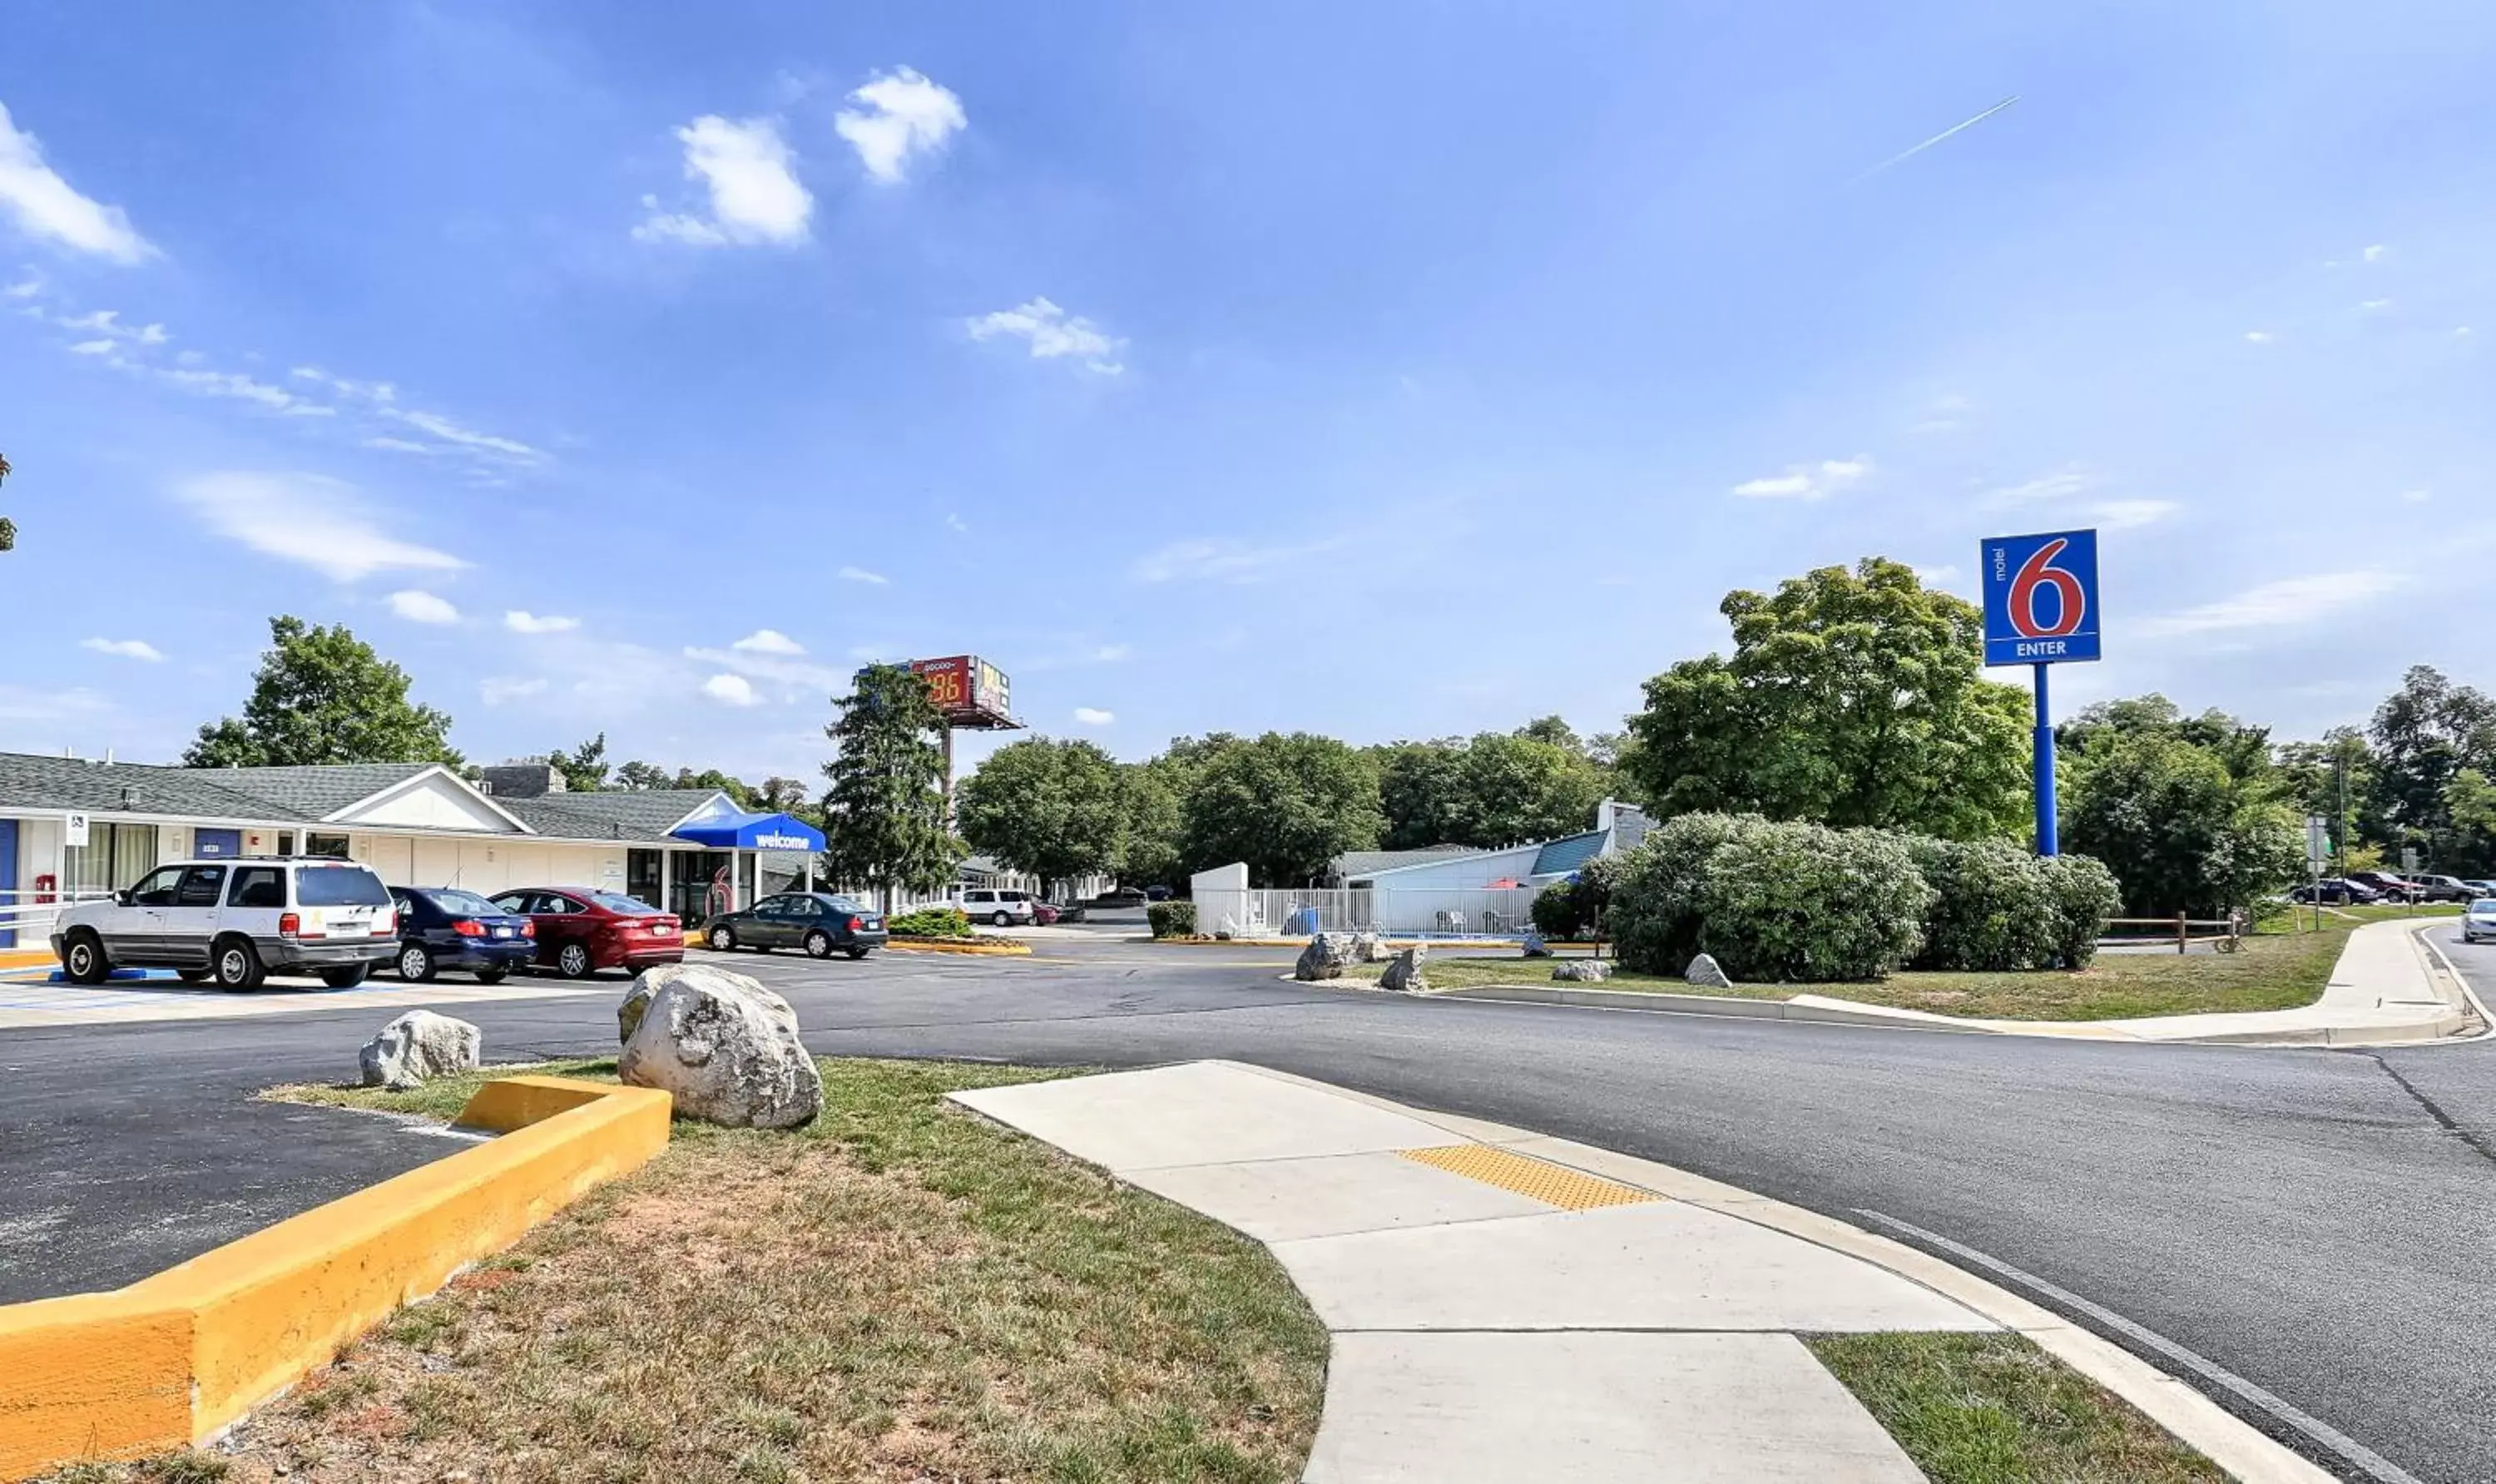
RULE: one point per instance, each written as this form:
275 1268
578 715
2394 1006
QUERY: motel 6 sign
2041 598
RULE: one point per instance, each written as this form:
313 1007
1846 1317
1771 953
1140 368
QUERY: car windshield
630 907
2484 907
340 886
464 904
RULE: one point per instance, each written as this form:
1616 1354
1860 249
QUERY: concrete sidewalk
1505 1306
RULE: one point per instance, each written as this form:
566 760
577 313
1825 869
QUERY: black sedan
821 923
442 927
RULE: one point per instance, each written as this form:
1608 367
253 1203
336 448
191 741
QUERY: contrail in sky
1938 138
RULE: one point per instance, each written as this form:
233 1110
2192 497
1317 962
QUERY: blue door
9 880
216 844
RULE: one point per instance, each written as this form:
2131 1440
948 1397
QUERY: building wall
489 866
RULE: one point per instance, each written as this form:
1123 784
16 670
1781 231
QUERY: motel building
74 829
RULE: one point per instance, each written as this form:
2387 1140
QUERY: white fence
1419 912
32 912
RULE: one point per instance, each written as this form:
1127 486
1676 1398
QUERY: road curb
2242 1450
970 949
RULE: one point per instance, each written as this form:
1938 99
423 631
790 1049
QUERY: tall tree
738 790
638 776
584 767
1154 793
1057 810
2335 778
781 795
1494 790
1285 805
883 809
1417 788
2180 831
323 695
1852 699
2424 733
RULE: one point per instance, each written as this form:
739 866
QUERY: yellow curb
26 958
938 945
175 1358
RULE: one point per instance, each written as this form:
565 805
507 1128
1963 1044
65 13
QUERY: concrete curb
176 1358
2243 1451
973 950
1804 1007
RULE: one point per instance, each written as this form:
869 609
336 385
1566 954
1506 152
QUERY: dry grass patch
902 1291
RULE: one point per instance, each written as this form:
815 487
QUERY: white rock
1703 971
1583 971
1324 957
1368 947
417 1045
1404 972
724 1048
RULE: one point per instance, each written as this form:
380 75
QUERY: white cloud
400 446
1807 482
1219 560
2374 304
768 641
2290 599
450 432
955 521
2461 332
522 621
320 522
495 690
371 391
421 607
1093 715
92 348
127 649
44 205
861 575
1051 332
765 665
2259 337
2377 253
235 385
2062 483
2124 514
731 691
903 116
1111 654
2418 496
754 196
25 288
1936 576
17 703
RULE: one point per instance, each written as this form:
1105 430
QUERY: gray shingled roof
1352 864
643 813
315 792
34 780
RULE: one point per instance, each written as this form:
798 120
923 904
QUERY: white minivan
1005 908
235 921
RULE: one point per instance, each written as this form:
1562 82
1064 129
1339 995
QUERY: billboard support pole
2049 831
948 729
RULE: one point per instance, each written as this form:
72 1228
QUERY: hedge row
1171 920
930 922
1776 902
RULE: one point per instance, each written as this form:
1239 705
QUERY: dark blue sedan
442 927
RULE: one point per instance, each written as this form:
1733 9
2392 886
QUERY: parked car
2441 889
1067 911
1005 908
1156 893
581 931
2479 889
2386 885
1123 896
442 927
234 921
1045 913
2478 920
821 923
2335 892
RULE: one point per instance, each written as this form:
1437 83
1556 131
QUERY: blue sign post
2041 608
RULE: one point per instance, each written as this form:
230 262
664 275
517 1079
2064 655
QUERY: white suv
235 921
1005 908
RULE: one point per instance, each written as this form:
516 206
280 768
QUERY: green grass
2275 967
899 1291
1996 1409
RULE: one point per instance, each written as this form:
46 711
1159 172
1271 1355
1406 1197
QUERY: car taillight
288 925
528 929
856 923
467 928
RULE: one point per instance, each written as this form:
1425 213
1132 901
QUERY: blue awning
752 832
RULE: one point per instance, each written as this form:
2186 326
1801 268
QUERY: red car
581 931
1043 912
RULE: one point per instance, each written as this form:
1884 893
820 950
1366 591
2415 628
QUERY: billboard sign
968 689
2041 598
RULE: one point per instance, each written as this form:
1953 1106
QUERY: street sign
73 829
2318 840
2041 598
2409 858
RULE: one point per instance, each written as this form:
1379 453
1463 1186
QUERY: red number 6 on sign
2039 572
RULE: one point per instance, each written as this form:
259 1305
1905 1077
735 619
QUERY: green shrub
2085 894
1993 906
930 922
1171 920
1789 901
1654 915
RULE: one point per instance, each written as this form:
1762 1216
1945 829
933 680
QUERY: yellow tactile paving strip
1554 1185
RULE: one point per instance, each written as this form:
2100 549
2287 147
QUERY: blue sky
1384 370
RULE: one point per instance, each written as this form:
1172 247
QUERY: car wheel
819 943
192 976
855 951
415 963
83 960
724 939
572 959
236 964
347 977
1003 920
492 975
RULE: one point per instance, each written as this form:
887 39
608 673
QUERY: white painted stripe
2374 1465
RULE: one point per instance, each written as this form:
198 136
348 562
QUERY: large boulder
648 983
1367 948
1534 946
1583 971
417 1045
1704 973
1404 972
724 1048
1324 957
